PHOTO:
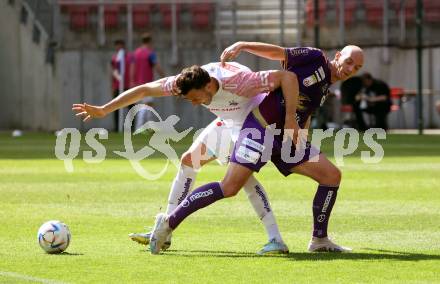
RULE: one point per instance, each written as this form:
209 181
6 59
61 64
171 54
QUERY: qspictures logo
256 147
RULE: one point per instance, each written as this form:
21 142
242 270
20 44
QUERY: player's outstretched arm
266 50
129 97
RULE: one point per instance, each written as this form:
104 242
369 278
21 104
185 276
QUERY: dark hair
193 77
119 42
146 38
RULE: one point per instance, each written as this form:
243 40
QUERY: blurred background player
121 77
145 64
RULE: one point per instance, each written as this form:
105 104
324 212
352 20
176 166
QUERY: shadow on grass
375 254
65 253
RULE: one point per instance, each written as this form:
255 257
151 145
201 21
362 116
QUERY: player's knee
229 188
334 176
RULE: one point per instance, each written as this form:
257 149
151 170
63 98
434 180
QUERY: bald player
314 73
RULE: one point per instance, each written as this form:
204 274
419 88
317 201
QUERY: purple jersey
312 69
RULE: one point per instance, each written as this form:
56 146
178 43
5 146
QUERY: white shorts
219 137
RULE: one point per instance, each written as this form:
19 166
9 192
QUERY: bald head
355 52
347 62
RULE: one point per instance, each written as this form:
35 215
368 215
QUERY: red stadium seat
310 12
431 11
111 13
141 16
396 95
410 9
346 108
349 10
201 14
165 11
374 12
79 17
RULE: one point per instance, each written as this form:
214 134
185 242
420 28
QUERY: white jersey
240 90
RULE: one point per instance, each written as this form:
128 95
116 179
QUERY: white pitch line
29 278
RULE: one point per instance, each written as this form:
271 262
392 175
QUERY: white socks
258 198
182 185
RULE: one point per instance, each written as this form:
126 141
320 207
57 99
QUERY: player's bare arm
116 75
266 50
289 86
129 97
305 131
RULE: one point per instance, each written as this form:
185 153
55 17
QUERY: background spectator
376 100
145 63
121 74
351 88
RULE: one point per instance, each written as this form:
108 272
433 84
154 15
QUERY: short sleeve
297 56
249 84
169 86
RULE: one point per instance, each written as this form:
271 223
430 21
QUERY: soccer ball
54 236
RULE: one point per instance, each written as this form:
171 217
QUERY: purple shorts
256 145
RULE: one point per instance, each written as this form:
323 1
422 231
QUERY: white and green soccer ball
54 236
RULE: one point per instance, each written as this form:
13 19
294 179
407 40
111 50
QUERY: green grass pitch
389 213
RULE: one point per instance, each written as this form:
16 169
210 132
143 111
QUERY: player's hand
231 52
87 112
291 130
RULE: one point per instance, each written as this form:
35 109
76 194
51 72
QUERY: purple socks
323 202
199 198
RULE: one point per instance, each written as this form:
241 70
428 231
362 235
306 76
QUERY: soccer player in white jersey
230 92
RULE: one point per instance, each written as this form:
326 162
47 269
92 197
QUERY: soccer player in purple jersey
314 73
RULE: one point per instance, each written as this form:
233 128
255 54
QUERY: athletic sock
258 198
199 198
182 185
323 202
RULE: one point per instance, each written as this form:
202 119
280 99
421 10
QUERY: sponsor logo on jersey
310 81
264 77
253 144
247 154
321 72
316 77
230 87
299 51
327 201
201 194
233 103
224 109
